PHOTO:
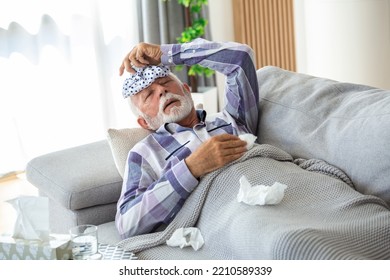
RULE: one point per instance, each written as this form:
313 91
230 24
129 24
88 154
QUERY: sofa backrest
345 124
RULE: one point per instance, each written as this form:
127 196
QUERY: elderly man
163 169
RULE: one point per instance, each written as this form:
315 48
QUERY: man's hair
135 110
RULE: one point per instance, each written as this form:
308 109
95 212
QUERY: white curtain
59 82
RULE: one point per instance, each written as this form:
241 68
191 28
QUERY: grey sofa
82 184
343 124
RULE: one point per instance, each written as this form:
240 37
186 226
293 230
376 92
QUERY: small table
112 252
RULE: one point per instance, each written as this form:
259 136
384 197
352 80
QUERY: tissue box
58 248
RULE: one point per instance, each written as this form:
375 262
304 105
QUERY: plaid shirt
158 181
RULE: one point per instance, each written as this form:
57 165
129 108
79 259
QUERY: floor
11 188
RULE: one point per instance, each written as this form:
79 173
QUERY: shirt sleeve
147 201
236 62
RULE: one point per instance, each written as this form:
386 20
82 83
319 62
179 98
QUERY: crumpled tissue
32 220
249 139
260 194
184 237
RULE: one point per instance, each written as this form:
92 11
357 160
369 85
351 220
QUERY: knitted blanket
320 217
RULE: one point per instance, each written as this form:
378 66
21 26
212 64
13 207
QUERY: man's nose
162 91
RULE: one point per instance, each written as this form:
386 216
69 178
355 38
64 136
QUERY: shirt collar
201 115
171 128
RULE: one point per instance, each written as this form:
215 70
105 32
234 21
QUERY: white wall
222 29
345 40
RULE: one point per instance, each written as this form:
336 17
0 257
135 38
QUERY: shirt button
170 60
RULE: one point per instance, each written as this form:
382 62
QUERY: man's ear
142 122
187 87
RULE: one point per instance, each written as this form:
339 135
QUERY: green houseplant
195 26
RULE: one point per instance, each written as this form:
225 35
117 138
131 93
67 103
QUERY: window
59 65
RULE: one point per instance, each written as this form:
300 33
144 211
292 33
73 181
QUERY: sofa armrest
78 177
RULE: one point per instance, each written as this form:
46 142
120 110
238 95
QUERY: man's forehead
157 81
143 78
162 79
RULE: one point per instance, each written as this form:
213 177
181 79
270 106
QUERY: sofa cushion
78 177
344 124
122 141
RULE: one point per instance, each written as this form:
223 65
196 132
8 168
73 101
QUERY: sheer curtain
59 61
59 82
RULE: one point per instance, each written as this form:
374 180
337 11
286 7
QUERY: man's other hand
215 153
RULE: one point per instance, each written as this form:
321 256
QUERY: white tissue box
58 247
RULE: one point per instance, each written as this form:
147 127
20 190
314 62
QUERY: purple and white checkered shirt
158 181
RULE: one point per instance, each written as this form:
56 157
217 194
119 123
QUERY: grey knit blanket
320 217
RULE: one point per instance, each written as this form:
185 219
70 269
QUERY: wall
221 28
268 27
345 40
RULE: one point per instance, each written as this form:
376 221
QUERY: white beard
177 113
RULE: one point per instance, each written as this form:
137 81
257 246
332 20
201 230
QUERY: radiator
268 27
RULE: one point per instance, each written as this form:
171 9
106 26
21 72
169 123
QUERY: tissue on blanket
184 237
260 194
32 221
249 138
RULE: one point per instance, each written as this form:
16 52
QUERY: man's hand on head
140 56
215 153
